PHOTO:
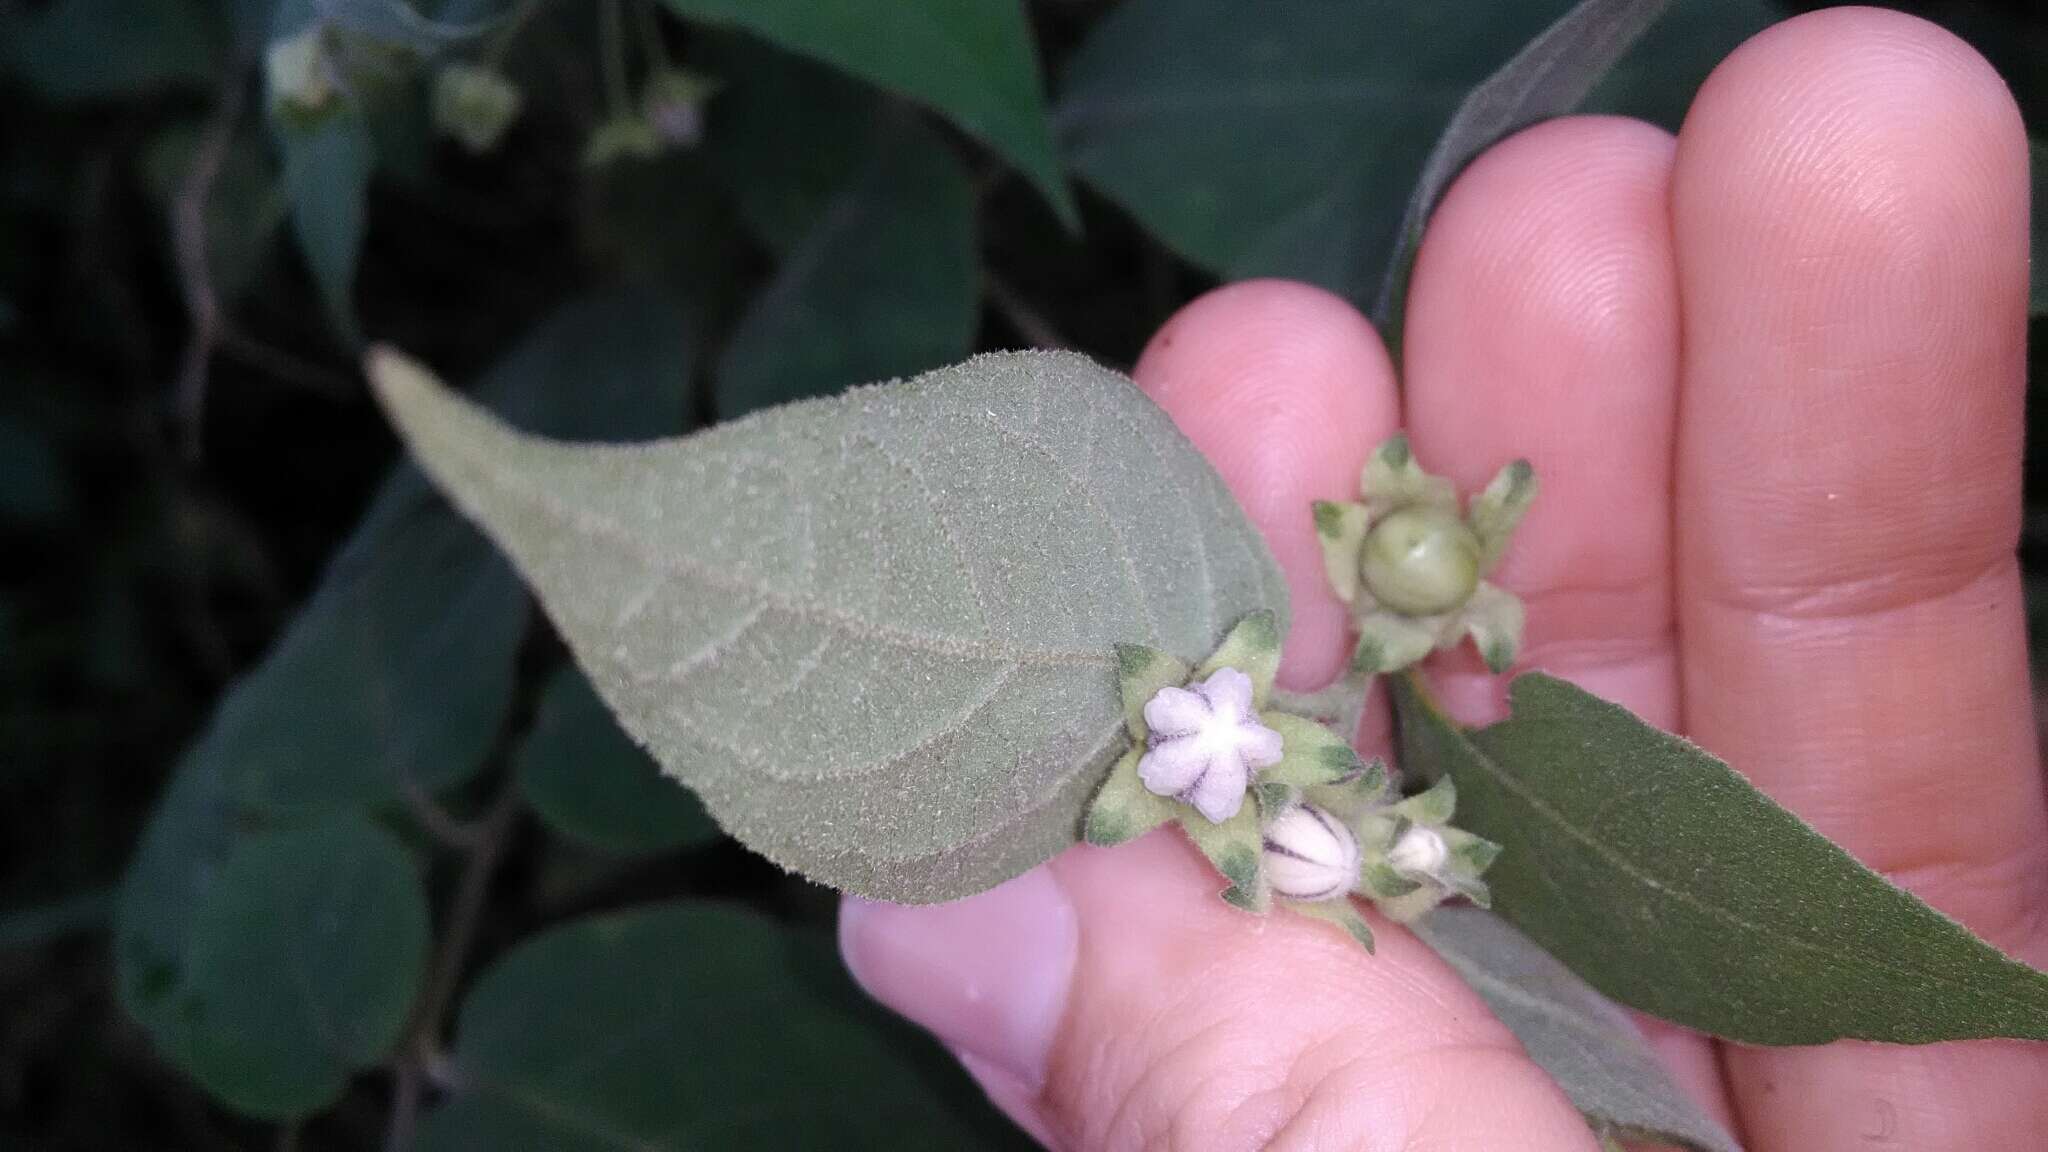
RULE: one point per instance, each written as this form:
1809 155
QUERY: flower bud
673 106
301 75
1421 561
1309 854
474 105
1419 852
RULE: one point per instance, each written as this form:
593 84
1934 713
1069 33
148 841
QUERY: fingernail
987 975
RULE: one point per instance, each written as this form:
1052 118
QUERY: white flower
1310 854
1419 852
1205 742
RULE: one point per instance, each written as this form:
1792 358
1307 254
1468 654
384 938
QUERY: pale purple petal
1259 745
1229 693
1172 765
1174 711
1220 792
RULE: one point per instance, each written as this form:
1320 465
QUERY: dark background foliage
448 805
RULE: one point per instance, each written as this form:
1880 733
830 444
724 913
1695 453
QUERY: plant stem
465 916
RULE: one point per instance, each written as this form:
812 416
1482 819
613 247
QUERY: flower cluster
1413 569
1321 824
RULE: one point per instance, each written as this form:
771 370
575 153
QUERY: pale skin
1771 373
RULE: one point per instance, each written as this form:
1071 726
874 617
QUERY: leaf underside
1668 882
875 633
1589 1046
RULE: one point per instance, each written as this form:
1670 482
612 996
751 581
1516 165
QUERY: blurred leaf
1668 882
243 213
1657 79
1589 1046
678 1026
785 134
663 222
34 485
111 49
295 965
327 170
1548 77
882 286
875 633
587 778
972 60
1278 138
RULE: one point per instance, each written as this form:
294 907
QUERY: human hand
1772 376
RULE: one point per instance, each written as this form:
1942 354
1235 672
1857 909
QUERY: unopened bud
1419 852
1309 854
474 105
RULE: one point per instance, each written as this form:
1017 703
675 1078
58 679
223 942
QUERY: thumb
1109 999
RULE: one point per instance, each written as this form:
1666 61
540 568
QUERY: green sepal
1141 673
1274 796
1470 855
1312 755
1470 887
1495 617
1234 847
1123 809
1342 913
1253 648
1377 879
1389 642
1412 906
1433 807
1355 798
1392 479
1340 529
1495 512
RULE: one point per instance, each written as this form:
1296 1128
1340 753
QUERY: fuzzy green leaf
972 60
882 285
1548 77
1589 1046
875 633
586 779
1253 648
1668 882
679 1026
1125 809
299 966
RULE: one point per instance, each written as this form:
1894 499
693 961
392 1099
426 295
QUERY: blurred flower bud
672 104
1309 854
474 105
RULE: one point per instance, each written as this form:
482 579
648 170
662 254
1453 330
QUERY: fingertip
1285 388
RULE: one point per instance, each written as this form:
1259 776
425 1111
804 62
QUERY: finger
1850 209
1543 322
1110 998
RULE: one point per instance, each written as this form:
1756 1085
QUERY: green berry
1421 561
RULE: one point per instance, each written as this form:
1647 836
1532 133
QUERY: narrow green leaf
1668 882
300 963
972 60
877 633
883 284
1547 78
1657 79
1589 1046
784 134
327 171
672 1027
76 50
586 779
1276 138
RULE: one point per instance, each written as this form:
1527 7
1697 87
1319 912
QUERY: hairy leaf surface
875 633
1670 883
1589 1046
